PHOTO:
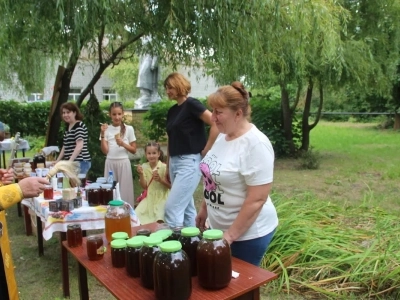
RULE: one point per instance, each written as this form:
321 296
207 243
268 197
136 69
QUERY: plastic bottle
110 178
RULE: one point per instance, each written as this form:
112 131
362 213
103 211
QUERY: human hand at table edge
32 186
7 176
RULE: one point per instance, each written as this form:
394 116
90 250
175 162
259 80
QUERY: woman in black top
187 144
75 140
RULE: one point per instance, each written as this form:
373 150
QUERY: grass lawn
359 167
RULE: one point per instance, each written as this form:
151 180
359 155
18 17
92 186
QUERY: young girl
117 140
153 177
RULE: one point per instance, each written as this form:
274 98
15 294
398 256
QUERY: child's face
152 153
116 115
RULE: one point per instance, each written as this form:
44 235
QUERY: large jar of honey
117 219
133 247
172 278
146 260
214 263
190 238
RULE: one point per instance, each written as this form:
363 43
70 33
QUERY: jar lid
143 231
152 241
190 231
71 226
213 234
167 232
118 244
162 235
116 203
136 241
95 237
170 246
119 235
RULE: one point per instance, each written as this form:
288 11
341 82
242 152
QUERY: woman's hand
139 169
202 217
103 128
7 176
119 141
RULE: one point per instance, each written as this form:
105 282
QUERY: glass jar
190 238
119 236
117 219
143 231
48 192
107 195
214 263
39 161
118 253
93 195
74 235
172 278
176 233
146 259
133 246
94 247
60 177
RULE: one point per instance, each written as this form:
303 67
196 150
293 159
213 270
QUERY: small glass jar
93 196
133 246
95 247
118 253
144 232
48 192
146 260
119 236
190 238
74 235
60 177
214 263
172 278
117 219
106 194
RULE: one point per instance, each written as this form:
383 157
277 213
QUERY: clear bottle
110 178
172 278
117 219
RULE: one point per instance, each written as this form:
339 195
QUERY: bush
310 160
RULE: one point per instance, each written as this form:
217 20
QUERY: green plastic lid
170 246
116 203
152 241
213 234
120 235
166 231
136 241
162 235
118 244
190 231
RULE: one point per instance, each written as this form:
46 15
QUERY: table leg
39 235
83 285
250 295
64 265
19 208
27 220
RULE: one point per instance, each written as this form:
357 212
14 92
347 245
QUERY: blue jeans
185 176
252 251
84 166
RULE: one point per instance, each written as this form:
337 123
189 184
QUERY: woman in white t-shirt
237 176
117 140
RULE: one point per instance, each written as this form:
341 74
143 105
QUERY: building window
109 95
35 97
74 93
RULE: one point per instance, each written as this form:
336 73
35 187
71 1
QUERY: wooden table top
117 281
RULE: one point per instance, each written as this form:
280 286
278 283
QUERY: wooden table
118 283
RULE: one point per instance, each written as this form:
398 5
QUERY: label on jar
101 250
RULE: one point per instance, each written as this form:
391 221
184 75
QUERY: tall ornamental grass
335 251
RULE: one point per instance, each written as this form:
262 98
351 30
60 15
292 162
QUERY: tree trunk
305 129
55 119
396 124
287 119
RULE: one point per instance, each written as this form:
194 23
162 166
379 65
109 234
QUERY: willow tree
182 32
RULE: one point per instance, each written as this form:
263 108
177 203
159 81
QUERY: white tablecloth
6 145
90 217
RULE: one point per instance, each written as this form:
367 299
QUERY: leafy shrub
156 120
310 160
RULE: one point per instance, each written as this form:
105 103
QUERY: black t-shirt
186 131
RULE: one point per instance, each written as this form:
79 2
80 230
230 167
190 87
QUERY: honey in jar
190 238
48 192
133 247
93 195
118 253
74 235
214 263
106 194
117 219
95 248
146 259
172 278
176 233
